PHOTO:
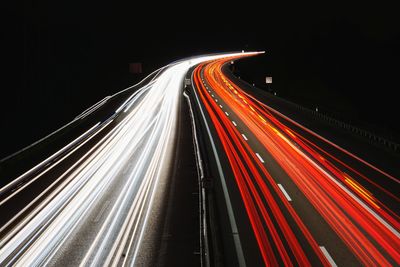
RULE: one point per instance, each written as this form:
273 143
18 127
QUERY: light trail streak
85 136
103 201
123 170
265 238
368 228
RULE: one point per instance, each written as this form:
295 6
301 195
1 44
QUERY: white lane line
232 220
328 256
216 100
329 142
244 137
234 123
284 192
220 106
212 95
260 158
227 114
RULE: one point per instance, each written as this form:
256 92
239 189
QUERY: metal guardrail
372 138
214 232
204 246
84 114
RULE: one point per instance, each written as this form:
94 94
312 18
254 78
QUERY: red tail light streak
368 228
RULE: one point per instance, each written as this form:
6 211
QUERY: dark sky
63 56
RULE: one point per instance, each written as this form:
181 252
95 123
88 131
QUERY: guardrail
18 163
372 138
204 247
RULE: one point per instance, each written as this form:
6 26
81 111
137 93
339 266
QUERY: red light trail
368 228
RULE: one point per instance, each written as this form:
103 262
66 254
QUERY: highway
286 195
96 201
250 186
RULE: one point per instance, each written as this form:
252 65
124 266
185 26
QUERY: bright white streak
128 166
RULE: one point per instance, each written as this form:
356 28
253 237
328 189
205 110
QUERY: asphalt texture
320 230
176 242
360 146
172 236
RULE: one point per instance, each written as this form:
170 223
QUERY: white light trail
105 201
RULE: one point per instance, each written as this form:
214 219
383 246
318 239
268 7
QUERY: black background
60 57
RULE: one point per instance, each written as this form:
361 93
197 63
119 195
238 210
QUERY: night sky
63 56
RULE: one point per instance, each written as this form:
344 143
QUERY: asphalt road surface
287 195
108 197
125 191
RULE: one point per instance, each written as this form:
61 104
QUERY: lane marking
234 123
329 142
212 95
232 220
351 194
328 256
220 106
260 158
284 192
227 114
216 100
245 138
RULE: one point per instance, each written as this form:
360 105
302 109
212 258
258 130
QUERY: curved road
288 199
281 193
101 208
